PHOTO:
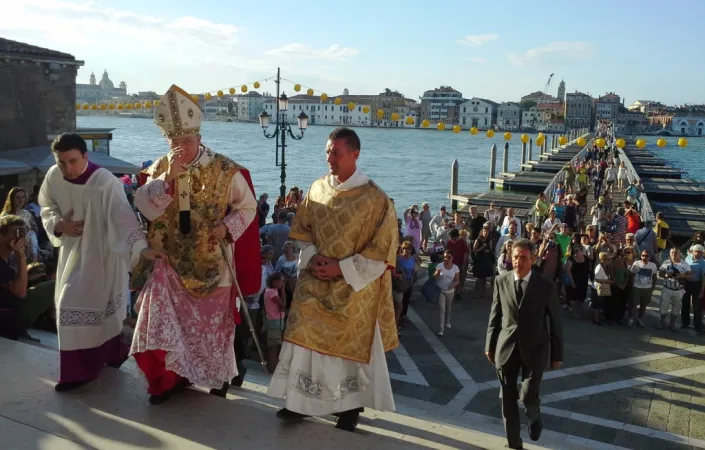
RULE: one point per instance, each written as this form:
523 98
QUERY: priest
195 199
86 214
342 316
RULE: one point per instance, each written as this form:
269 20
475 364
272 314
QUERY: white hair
697 248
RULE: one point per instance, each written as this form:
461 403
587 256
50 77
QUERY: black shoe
348 420
535 430
166 395
70 386
240 377
26 336
290 416
222 391
118 364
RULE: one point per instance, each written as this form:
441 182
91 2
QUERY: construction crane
542 99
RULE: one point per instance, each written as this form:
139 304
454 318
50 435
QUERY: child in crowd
274 307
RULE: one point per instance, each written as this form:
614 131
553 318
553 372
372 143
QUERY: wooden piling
454 184
523 156
529 157
505 158
493 164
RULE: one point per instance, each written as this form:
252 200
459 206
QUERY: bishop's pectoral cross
184 204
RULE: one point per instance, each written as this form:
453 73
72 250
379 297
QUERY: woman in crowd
577 269
616 307
483 260
504 262
15 204
603 284
403 280
447 277
288 265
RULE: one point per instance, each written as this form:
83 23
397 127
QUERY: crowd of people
599 255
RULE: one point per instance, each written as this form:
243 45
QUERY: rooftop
15 48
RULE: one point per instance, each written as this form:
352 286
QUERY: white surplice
92 276
330 390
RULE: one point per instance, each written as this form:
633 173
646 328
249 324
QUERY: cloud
334 52
145 50
478 60
554 53
478 39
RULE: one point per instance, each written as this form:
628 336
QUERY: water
412 166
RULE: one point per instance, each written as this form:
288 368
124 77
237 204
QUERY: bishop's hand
150 254
176 166
219 231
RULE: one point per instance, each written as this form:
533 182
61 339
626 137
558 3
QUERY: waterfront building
534 96
37 104
630 122
249 106
509 116
551 113
578 110
688 124
439 105
561 91
660 121
325 113
607 107
531 119
97 93
477 112
218 106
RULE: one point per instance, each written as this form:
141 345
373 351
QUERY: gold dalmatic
195 256
329 317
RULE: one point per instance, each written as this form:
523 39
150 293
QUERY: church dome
105 82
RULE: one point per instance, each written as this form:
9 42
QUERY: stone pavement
620 388
631 388
113 413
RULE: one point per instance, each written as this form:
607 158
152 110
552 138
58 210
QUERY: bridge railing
647 214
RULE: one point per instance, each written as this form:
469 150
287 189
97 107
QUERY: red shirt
633 220
459 249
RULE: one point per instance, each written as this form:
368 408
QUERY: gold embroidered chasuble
329 317
195 257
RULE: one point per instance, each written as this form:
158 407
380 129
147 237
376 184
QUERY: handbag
401 284
431 291
603 290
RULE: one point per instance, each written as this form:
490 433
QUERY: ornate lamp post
281 128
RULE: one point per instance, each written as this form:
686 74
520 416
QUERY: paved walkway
620 388
632 388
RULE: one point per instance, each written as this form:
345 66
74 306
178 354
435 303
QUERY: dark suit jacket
525 326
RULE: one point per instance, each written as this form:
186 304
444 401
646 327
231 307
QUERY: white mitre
177 114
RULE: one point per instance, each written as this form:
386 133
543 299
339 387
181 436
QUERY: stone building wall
35 104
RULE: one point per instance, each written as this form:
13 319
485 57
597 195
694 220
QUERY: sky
639 49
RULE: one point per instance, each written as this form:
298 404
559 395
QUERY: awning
41 158
9 167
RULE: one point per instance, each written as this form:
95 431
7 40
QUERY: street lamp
281 128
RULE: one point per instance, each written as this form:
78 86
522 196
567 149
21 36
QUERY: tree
527 104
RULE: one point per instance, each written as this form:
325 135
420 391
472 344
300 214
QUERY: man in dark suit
519 339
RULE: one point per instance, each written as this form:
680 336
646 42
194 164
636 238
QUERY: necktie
519 290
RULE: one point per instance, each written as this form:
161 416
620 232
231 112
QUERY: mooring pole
454 185
523 155
505 158
493 164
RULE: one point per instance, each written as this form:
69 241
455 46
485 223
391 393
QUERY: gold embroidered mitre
177 114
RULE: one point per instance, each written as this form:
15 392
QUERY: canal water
412 166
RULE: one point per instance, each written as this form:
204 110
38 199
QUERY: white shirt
507 220
445 279
643 274
549 223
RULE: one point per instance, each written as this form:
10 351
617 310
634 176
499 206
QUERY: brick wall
33 106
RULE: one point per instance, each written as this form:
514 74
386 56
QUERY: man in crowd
342 317
20 305
523 346
86 213
262 210
675 273
202 210
277 234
